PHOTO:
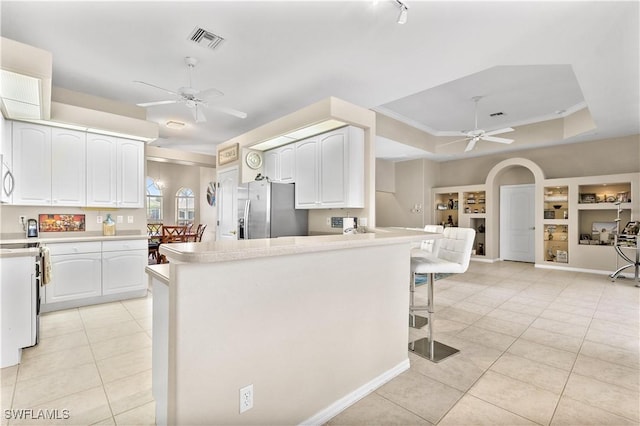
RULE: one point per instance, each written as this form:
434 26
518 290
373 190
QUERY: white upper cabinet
49 165
307 170
130 166
272 165
279 164
7 179
101 171
288 163
68 167
329 170
31 164
115 172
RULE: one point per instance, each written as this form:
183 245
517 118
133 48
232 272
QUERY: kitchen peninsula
311 323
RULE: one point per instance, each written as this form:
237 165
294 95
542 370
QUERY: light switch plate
119 219
129 219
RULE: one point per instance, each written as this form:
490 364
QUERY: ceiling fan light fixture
402 17
175 124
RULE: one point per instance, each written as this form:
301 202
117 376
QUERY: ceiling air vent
205 38
496 114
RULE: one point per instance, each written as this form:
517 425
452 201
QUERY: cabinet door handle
12 183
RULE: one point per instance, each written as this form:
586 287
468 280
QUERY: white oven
20 273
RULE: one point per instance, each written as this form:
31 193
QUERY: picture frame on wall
228 154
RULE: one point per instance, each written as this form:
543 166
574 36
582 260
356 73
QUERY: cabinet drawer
125 245
74 248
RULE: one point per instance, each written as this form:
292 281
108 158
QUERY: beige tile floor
93 361
537 347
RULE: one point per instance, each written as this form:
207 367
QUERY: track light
402 17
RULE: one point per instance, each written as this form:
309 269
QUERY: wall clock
254 160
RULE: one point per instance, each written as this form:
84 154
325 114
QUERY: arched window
154 200
185 206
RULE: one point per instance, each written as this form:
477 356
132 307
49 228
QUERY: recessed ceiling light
175 124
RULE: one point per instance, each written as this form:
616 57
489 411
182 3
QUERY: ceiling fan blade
210 94
452 142
148 104
198 115
229 111
499 131
157 87
471 144
494 139
451 133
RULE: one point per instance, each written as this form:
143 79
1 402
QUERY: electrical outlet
129 219
328 221
246 398
22 219
119 219
98 219
362 221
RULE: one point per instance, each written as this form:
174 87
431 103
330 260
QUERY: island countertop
230 250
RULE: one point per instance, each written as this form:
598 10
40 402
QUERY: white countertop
72 237
159 272
65 237
230 250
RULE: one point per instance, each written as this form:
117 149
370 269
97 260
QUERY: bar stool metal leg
415 321
429 348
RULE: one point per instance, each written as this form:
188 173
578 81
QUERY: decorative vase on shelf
481 229
451 204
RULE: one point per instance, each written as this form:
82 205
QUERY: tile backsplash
9 218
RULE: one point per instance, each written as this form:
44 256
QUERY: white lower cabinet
75 271
94 272
123 266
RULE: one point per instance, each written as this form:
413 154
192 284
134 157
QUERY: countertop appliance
267 210
20 298
32 228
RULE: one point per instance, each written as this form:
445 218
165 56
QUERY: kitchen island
313 324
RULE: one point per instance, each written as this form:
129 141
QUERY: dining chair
200 232
174 233
154 234
453 257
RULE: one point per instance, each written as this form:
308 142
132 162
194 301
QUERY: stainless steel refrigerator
267 210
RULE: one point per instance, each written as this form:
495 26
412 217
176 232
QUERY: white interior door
228 204
517 223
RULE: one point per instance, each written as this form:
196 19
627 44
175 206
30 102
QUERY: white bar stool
454 254
427 248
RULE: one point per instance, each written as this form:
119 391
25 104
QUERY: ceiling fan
475 135
193 98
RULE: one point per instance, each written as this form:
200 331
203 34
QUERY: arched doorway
512 170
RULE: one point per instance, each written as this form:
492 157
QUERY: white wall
612 156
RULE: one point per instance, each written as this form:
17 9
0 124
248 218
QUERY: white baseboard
584 270
340 405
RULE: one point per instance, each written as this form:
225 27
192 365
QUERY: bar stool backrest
431 246
456 247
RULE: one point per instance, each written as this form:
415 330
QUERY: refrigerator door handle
247 203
